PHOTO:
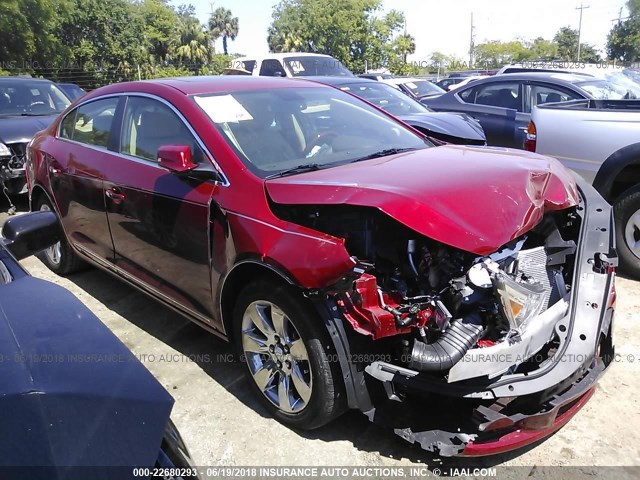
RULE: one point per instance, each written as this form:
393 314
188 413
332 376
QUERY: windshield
627 80
306 66
423 88
31 97
386 97
603 90
279 129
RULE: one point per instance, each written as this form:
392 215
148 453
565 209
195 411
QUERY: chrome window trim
225 181
75 109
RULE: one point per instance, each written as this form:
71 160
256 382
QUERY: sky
444 26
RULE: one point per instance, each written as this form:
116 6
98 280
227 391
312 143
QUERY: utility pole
581 8
471 44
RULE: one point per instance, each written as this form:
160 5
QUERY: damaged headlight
519 301
4 150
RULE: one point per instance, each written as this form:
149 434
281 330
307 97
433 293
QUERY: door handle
114 195
55 171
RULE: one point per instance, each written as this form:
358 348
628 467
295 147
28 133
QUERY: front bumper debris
500 412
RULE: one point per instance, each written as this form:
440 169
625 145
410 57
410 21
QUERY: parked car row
599 140
353 263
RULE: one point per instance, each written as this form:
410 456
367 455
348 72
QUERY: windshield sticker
223 109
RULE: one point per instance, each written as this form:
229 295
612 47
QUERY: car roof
558 78
209 84
24 79
280 56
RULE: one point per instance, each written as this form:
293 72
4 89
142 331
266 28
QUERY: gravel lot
223 425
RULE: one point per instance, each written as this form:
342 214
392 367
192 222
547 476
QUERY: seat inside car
553 97
157 128
261 138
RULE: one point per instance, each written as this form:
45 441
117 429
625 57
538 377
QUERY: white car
292 64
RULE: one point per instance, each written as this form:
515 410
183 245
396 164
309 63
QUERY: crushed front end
471 354
12 167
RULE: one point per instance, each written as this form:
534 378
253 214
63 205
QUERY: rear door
76 164
499 108
160 220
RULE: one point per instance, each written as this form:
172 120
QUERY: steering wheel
320 139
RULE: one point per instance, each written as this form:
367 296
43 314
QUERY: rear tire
286 350
59 258
627 219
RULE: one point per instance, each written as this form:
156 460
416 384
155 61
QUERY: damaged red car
462 296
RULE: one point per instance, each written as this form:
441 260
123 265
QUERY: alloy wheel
276 356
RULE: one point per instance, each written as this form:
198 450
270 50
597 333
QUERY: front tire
627 219
58 258
286 349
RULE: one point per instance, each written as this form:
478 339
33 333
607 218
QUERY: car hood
473 198
453 124
15 129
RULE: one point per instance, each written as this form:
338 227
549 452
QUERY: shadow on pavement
192 341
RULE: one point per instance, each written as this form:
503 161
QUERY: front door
160 220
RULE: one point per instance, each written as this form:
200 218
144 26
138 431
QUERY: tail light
532 135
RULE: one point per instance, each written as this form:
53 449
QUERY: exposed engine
438 301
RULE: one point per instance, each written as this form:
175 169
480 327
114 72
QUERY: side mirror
28 234
176 158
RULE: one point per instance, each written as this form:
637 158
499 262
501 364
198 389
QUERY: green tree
104 39
542 49
223 24
160 24
567 40
192 49
439 62
623 41
494 54
29 32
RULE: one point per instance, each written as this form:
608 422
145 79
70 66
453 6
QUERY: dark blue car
74 401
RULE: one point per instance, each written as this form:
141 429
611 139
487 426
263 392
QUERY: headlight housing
520 302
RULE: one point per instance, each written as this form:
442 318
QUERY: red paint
176 158
475 199
366 313
521 438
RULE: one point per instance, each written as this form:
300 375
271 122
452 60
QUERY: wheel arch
619 172
37 192
242 273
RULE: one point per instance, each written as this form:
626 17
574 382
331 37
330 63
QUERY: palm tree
223 24
192 46
405 45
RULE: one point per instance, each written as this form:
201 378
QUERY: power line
581 8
